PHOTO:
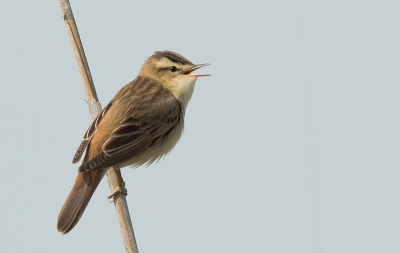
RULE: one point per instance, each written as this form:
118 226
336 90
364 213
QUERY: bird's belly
157 152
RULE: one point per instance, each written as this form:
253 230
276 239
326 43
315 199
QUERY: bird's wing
134 136
89 134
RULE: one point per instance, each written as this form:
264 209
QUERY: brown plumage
140 125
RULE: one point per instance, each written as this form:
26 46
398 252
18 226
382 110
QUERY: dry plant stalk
113 175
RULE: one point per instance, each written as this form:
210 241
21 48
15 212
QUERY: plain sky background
292 145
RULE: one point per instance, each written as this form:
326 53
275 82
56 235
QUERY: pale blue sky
292 145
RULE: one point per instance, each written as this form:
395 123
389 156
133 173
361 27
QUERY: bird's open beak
189 71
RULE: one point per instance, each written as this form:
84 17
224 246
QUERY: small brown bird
140 125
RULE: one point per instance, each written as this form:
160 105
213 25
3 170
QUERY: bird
139 126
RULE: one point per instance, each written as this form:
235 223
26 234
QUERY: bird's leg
121 185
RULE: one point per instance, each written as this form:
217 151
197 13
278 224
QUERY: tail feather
77 200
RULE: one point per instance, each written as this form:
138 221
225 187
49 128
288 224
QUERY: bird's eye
173 69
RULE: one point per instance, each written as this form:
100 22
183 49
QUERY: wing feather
133 136
89 134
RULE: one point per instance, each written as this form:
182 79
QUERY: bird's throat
183 88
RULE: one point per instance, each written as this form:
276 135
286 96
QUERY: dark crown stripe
174 57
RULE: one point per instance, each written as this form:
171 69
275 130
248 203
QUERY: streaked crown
172 56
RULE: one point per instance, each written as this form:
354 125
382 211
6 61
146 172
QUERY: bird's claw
119 190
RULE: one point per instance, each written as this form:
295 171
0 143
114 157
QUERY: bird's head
174 71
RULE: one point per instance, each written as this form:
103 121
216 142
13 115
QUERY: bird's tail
73 208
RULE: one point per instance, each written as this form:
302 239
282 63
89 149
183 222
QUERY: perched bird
140 125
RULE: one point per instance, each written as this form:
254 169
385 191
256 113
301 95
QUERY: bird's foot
121 185
119 190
